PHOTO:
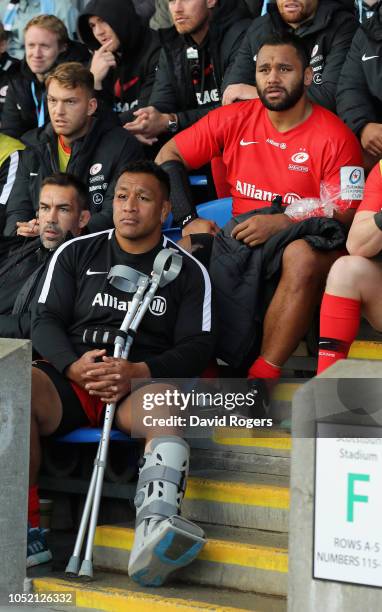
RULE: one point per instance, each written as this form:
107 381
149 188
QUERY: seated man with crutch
85 299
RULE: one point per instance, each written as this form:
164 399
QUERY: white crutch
166 268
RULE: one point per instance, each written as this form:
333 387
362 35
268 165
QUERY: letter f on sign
352 497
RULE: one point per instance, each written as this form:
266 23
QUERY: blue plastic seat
219 211
87 435
174 233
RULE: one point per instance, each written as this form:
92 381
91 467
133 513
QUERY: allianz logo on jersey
250 190
157 307
110 301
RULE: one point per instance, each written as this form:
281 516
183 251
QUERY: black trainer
260 409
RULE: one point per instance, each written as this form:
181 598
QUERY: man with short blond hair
47 44
75 141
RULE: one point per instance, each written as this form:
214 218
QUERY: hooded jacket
327 36
359 93
173 90
128 86
97 159
20 110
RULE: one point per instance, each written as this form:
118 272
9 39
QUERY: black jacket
241 274
6 63
176 340
173 91
20 113
359 93
21 259
128 87
97 159
327 36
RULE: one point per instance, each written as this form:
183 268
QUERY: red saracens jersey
262 162
373 190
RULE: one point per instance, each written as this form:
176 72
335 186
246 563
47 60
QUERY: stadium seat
87 435
174 233
219 211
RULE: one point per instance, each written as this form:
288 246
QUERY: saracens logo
95 168
300 158
158 306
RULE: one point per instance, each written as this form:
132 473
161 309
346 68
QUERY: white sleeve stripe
13 164
206 322
49 275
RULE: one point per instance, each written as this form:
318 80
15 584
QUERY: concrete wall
15 366
304 593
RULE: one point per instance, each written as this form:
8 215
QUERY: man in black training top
175 339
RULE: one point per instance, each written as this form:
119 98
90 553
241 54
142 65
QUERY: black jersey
176 336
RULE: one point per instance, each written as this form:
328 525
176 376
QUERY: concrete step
249 450
255 501
247 560
116 593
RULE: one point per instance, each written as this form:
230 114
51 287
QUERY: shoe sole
39 558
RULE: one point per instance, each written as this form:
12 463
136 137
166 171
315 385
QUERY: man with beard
326 28
62 213
196 52
280 144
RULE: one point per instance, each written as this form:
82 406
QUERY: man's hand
102 61
146 141
28 229
371 138
200 226
77 371
257 229
239 91
111 379
149 122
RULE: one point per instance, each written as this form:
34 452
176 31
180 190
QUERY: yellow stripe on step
120 600
365 349
285 391
216 551
237 493
256 438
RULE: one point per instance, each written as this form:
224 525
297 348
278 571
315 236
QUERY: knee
123 418
36 392
348 271
300 264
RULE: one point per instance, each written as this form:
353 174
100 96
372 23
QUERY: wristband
187 219
378 220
